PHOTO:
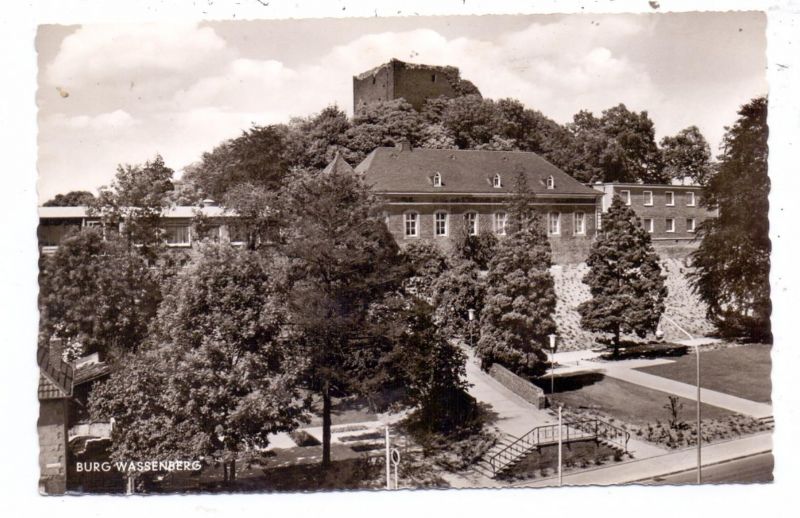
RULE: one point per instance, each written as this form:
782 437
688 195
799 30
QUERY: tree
71 199
732 263
427 263
624 278
382 124
321 135
456 291
218 370
520 301
260 156
477 249
620 146
135 202
687 155
472 121
96 296
342 261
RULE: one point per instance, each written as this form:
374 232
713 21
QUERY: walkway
574 362
515 416
709 397
682 460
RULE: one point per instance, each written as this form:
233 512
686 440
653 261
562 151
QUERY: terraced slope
683 306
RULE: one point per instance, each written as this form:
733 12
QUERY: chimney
403 145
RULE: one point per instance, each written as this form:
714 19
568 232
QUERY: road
753 469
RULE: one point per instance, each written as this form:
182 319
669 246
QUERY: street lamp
552 338
699 430
471 316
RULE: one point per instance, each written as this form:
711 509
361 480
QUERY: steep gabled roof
338 165
404 170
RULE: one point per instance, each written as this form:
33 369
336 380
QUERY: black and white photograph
403 252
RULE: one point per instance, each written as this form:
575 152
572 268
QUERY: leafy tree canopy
71 199
733 260
95 296
687 155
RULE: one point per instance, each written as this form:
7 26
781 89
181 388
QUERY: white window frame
579 230
551 182
437 180
557 231
471 217
500 223
670 228
691 202
406 221
436 222
691 225
648 198
497 182
178 244
626 197
670 198
647 223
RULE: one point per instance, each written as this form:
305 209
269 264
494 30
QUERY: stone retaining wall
519 386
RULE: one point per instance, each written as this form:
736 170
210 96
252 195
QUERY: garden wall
519 386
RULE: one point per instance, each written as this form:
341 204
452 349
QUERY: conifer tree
520 297
624 277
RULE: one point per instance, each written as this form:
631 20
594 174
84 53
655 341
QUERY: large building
435 194
412 82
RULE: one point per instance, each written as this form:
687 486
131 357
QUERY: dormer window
551 182
496 182
437 180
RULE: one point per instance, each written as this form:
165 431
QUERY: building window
440 224
411 224
670 198
626 197
551 182
599 217
500 219
580 223
690 201
670 225
496 182
689 224
648 198
437 180
471 223
177 235
554 223
647 223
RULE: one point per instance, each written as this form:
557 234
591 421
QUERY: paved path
640 470
709 397
515 416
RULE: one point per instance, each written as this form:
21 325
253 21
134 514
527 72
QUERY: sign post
552 338
388 471
396 462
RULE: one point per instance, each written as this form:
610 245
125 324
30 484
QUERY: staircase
509 450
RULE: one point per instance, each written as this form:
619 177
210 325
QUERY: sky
112 94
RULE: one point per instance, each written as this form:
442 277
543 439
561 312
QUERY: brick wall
52 428
521 387
659 211
375 87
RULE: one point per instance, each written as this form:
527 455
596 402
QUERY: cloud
144 53
116 120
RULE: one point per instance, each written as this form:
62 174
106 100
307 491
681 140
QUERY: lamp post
471 317
552 338
699 429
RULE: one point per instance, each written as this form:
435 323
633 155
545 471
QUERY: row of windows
669 224
441 223
669 198
497 181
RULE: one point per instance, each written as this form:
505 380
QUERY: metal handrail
518 447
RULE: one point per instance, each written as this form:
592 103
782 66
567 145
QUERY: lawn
739 371
625 401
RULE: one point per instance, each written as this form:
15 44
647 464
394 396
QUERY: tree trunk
326 426
233 470
616 341
224 472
